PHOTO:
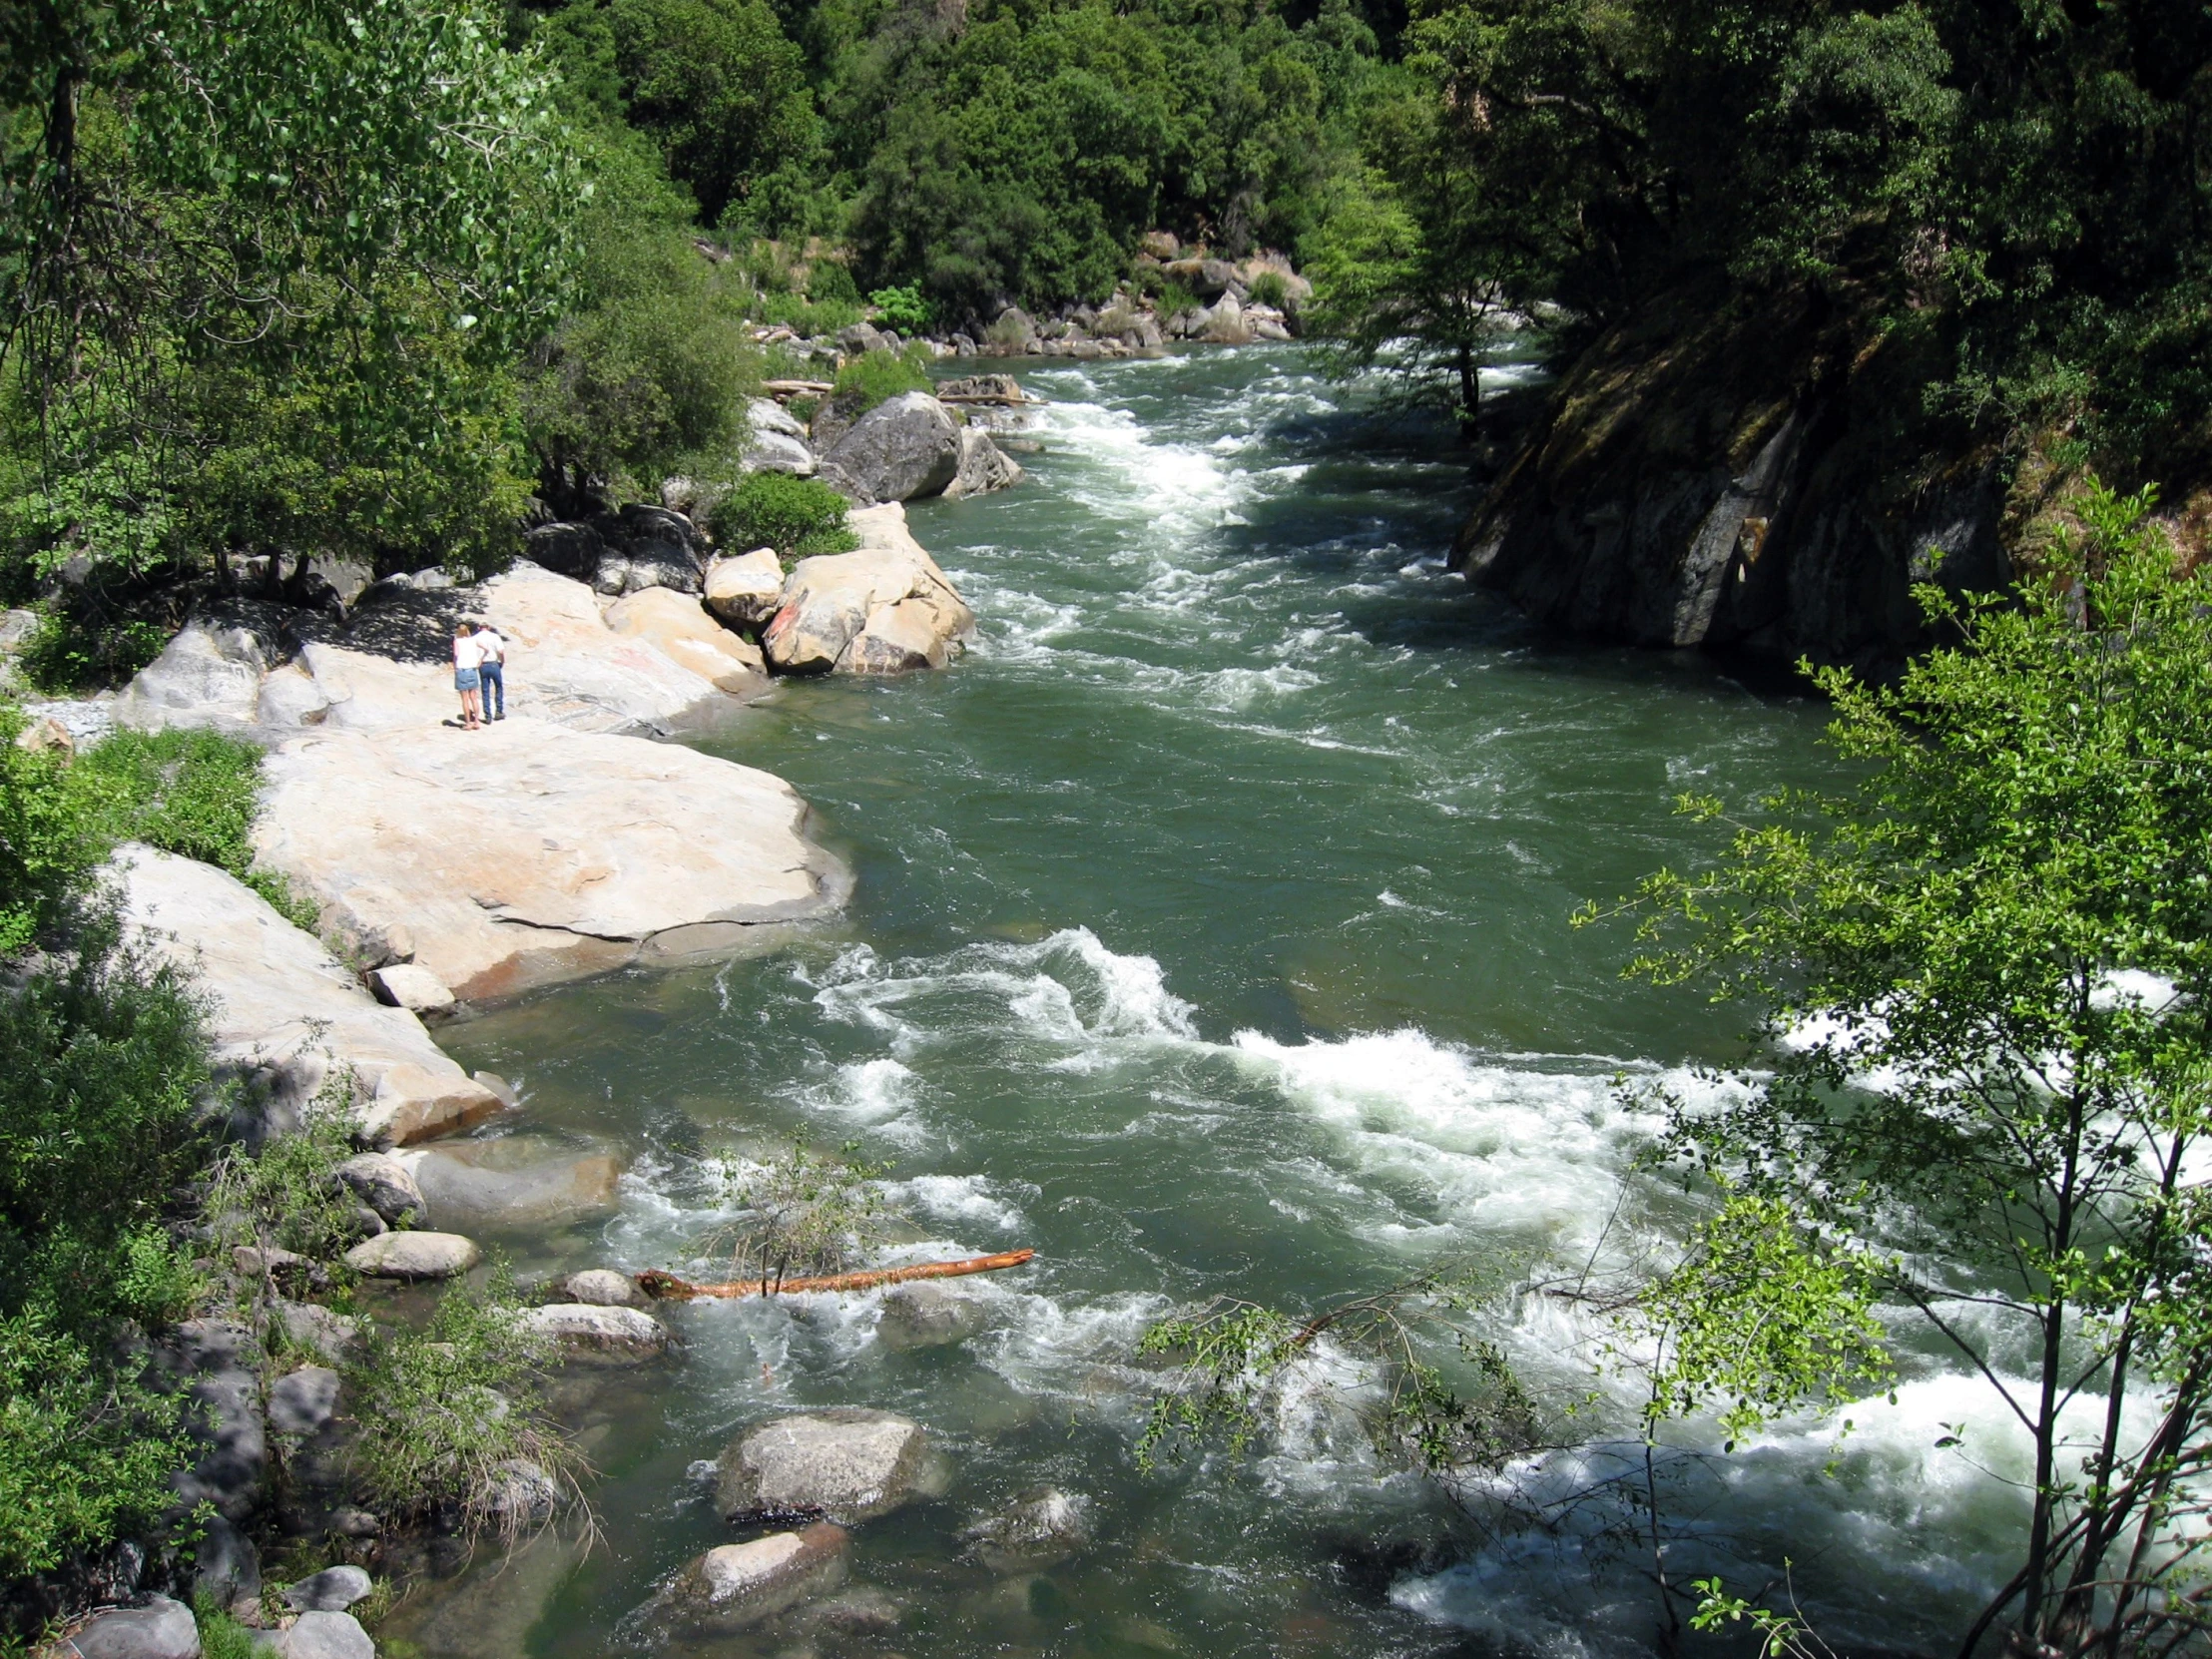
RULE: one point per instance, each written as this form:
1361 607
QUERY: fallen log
797 388
666 1286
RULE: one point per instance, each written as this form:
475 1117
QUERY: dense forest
301 277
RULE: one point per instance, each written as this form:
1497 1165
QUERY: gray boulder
162 1629
1225 324
601 1287
319 1636
927 1315
849 1463
415 1255
566 549
332 1590
226 1568
302 1402
317 1329
742 1584
209 1358
209 675
983 466
521 1494
904 448
778 442
595 1334
862 338
386 1186
1040 1527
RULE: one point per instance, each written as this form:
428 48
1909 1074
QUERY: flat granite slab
530 851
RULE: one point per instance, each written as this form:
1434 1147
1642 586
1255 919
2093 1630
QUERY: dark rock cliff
1751 481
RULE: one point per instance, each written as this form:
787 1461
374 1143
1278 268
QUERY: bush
875 377
1269 288
798 517
808 317
83 1454
905 310
461 1401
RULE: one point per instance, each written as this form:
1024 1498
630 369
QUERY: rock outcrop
527 852
1704 479
904 448
679 625
886 608
983 466
285 1017
849 1463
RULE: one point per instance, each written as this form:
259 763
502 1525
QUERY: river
1210 936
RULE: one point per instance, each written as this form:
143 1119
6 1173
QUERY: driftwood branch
668 1288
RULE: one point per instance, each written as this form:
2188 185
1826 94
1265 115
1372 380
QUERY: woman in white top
468 658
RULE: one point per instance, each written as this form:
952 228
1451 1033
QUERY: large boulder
929 1314
592 1333
601 1287
319 1636
904 448
849 1463
983 466
527 852
885 609
386 1186
574 550
745 589
162 1629
736 1585
209 674
227 1568
515 1181
332 1590
285 1016
680 626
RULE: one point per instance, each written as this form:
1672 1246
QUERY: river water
1210 937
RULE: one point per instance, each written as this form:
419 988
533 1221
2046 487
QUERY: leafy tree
1984 968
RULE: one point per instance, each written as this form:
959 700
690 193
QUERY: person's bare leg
472 710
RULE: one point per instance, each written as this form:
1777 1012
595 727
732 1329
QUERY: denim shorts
464 679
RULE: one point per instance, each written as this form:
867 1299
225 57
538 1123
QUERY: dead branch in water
668 1288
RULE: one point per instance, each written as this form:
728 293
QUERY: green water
1210 936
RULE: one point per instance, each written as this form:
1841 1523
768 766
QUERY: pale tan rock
681 626
736 1585
601 1287
528 852
411 986
513 1181
743 589
984 467
46 734
884 609
285 1015
414 1255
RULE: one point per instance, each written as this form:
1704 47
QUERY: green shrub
1269 288
809 317
220 1636
875 377
798 517
1172 299
82 1453
829 282
448 1405
905 310
69 650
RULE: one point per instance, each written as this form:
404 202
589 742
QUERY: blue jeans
494 677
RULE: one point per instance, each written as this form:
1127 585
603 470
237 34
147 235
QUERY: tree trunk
668 1287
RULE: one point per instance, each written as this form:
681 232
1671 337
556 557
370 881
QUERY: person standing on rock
468 659
491 647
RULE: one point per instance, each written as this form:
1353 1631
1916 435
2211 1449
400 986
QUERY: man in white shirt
491 670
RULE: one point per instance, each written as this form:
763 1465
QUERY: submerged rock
1040 1527
415 1255
737 1585
929 1314
517 1181
849 1463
